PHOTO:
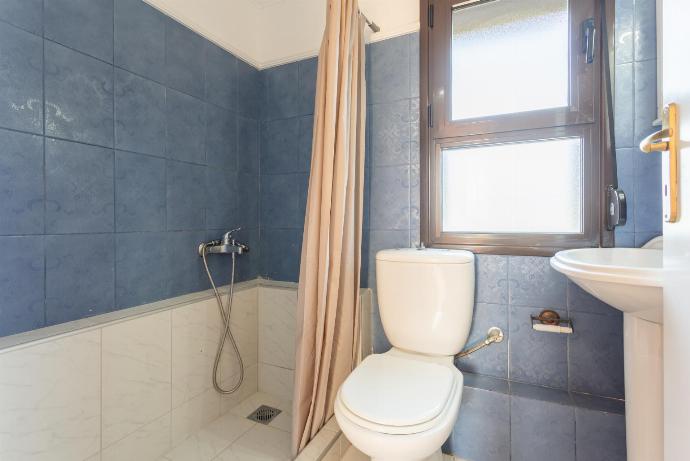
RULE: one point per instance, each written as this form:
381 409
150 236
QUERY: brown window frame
583 117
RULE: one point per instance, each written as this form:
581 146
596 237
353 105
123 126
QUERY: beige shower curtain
328 297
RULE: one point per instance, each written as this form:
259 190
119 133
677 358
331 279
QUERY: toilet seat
400 393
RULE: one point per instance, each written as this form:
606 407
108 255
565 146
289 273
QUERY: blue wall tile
184 59
139 114
624 113
581 301
221 77
185 269
390 133
281 149
140 39
282 91
80 276
141 268
414 65
596 352
536 357
27 14
186 195
482 431
21 81
308 69
491 361
140 190
85 25
79 96
21 183
388 69
648 193
491 272
643 237
533 283
107 64
624 21
21 284
645 99
185 119
248 145
282 200
250 90
645 29
600 436
390 198
79 188
221 199
280 253
248 196
541 431
222 137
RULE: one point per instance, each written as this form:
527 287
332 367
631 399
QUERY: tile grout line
45 169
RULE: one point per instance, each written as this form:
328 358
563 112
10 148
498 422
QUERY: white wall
266 33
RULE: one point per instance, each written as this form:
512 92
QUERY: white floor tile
147 443
261 443
215 437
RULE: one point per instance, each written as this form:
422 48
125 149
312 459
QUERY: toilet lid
394 391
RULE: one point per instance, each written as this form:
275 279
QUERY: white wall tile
50 400
147 443
249 386
136 374
277 311
195 331
244 326
276 381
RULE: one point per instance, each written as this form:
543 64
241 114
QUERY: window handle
589 32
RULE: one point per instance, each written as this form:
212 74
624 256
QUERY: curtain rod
374 27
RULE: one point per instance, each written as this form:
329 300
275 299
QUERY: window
511 144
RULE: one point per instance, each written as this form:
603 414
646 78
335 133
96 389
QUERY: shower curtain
328 296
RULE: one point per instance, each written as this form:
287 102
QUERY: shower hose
225 312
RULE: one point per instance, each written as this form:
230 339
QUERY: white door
676 88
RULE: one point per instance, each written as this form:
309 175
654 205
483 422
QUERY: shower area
130 174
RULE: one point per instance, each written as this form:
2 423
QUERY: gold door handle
656 142
662 141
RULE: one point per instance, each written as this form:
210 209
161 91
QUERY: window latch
617 209
589 32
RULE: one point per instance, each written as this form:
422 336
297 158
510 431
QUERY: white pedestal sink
630 279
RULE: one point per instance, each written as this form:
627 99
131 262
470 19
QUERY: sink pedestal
644 417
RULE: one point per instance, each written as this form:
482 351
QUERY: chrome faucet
226 245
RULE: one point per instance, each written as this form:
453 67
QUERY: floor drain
264 414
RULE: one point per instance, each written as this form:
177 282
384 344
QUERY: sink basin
629 279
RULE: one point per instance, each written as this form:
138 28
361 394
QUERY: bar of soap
552 328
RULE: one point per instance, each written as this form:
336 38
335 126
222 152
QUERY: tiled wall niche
125 140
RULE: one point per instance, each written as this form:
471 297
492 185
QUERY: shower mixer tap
226 245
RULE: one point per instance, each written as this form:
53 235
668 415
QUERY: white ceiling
266 33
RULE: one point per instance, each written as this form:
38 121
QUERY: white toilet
402 405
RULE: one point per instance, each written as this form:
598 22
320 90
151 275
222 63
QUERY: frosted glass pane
528 187
509 56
